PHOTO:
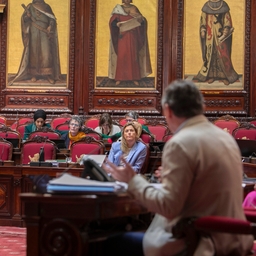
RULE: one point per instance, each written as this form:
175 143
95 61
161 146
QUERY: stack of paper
68 184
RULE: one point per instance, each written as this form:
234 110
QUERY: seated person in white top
106 127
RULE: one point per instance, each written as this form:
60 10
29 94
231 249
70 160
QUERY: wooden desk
250 169
15 180
62 223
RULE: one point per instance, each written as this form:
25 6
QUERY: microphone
41 160
41 152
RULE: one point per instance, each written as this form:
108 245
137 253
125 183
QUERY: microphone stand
41 163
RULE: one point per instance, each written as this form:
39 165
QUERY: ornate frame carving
2 6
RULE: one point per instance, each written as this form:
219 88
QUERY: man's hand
120 173
157 173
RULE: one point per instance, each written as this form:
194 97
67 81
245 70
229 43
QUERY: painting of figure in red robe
129 62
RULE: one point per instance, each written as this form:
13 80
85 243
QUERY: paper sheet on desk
69 183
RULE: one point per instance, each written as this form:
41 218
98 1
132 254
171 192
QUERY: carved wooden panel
126 102
6 197
17 102
224 103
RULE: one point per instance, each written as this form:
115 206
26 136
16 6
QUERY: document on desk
68 184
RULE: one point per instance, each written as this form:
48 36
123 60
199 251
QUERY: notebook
67 183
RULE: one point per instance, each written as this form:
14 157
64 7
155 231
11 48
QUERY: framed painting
125 66
222 67
214 43
214 40
38 35
126 44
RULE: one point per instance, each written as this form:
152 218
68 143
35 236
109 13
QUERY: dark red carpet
12 241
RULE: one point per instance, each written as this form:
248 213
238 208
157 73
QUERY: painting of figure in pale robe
40 59
216 30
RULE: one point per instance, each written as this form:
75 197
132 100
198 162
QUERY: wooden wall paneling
82 96
252 61
3 42
81 55
174 27
7 197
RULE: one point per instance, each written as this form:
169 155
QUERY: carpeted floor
12 241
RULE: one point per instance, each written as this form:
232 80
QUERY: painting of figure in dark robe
40 59
216 32
129 59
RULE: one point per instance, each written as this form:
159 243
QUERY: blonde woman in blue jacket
130 147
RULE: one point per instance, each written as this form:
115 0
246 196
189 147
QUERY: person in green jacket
39 122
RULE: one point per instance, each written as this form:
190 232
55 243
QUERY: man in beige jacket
201 175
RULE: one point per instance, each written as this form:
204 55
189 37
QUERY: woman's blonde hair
124 145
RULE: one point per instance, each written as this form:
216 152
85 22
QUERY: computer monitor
247 147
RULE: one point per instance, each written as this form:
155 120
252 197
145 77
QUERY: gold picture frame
105 77
196 48
20 73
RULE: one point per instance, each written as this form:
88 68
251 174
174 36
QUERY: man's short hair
183 98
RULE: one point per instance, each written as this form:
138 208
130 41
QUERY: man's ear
204 107
167 111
